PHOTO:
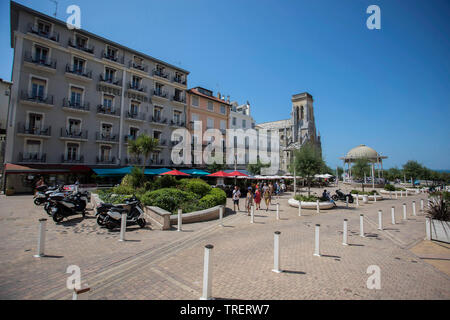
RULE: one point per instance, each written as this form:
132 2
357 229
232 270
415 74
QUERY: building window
157 113
105 153
74 126
106 129
134 108
195 101
136 83
159 89
43 27
41 54
178 95
109 74
233 121
111 53
38 88
108 101
34 122
210 123
177 117
78 65
223 125
76 95
81 41
72 151
134 132
210 106
157 135
33 147
222 109
244 123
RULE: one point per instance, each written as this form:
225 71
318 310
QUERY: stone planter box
440 230
370 198
311 205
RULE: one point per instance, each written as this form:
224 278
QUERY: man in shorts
236 196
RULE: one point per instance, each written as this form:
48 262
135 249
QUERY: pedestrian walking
236 196
249 200
258 198
266 195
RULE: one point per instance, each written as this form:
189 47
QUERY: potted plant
439 214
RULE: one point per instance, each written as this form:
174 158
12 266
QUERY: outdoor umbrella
174 173
219 174
237 174
195 172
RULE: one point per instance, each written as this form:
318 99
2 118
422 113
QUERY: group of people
256 193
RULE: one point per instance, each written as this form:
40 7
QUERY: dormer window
111 53
81 41
43 28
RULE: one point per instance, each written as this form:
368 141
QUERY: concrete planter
369 198
440 230
311 205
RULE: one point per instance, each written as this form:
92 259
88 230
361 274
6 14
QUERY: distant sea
448 171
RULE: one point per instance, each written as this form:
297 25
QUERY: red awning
11 168
219 174
174 173
237 174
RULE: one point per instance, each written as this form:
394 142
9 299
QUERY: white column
361 225
414 208
180 219
421 205
299 208
317 242
123 226
344 233
207 273
276 252
357 200
393 215
428 228
41 239
404 211
380 220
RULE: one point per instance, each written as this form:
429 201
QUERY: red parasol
237 174
174 173
219 174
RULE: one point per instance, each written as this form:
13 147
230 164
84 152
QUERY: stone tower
303 122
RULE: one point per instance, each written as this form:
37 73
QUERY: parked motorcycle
339 195
135 214
103 208
63 206
43 193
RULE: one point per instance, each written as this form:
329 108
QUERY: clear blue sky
388 88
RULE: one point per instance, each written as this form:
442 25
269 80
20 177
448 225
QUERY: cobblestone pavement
157 264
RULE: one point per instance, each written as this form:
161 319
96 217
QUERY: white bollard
393 215
41 239
404 211
81 294
375 197
316 247
396 195
380 220
180 219
361 225
252 214
317 207
414 208
299 208
390 195
276 252
344 234
421 205
346 201
406 193
278 211
207 273
428 228
123 226
401 193
357 200
221 215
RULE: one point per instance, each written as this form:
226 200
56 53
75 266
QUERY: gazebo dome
362 151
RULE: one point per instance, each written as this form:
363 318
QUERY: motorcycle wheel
350 200
109 225
334 197
101 220
141 222
58 217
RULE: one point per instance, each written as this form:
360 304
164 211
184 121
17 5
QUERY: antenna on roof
56 7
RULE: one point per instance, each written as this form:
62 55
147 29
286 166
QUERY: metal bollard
380 220
316 247
278 211
41 239
344 234
414 208
81 294
123 227
421 205
361 225
318 207
207 273
221 215
428 228
180 219
252 214
346 201
299 208
276 252
404 211
393 215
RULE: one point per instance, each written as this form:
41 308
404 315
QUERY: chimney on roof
218 95
228 99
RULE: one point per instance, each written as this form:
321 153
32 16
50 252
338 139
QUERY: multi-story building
78 98
294 132
5 93
240 118
213 113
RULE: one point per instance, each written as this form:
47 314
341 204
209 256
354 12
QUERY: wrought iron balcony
79 71
160 93
116 58
42 131
111 80
138 66
103 160
137 87
32 157
135 116
101 109
158 120
81 106
129 137
72 159
179 80
176 123
49 63
74 134
36 98
88 49
160 73
179 99
54 36
101 136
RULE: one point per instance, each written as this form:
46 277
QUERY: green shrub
356 192
197 186
127 181
306 198
169 199
123 190
389 187
166 182
214 198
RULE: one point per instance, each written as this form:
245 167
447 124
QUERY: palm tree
147 145
134 149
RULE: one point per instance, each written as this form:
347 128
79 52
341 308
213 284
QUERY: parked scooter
43 192
103 208
339 195
135 214
64 206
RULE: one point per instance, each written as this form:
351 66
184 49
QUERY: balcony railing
42 131
67 103
49 63
74 134
54 36
179 80
133 161
129 137
137 87
45 99
78 71
135 116
176 123
158 120
111 80
88 49
161 142
109 160
32 157
160 93
179 99
107 110
72 159
100 136
160 73
116 58
138 66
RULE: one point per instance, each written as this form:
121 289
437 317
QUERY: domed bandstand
364 152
